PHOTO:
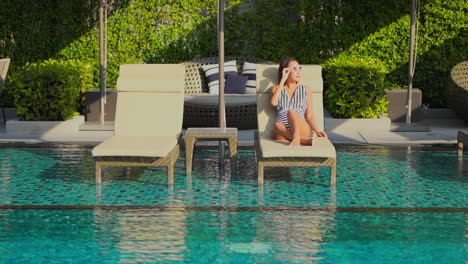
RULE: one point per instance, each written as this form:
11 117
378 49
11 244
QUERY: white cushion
136 146
212 74
151 78
250 70
322 147
149 114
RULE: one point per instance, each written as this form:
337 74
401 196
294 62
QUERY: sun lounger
148 120
272 152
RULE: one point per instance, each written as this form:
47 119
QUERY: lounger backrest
267 76
150 100
4 64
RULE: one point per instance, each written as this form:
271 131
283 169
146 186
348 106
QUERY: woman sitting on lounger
295 121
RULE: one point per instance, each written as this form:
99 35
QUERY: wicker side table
208 133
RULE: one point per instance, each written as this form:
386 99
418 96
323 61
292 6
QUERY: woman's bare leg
293 119
281 132
300 130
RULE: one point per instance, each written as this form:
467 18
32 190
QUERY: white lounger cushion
267 76
136 146
149 114
149 111
271 148
161 78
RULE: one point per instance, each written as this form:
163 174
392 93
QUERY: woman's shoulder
307 88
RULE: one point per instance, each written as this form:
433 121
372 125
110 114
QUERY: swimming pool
391 205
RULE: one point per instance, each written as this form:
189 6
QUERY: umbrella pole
408 126
411 62
222 114
102 56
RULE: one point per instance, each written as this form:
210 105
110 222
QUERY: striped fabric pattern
298 102
250 70
212 74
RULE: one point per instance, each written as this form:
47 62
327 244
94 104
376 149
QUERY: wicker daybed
201 108
458 91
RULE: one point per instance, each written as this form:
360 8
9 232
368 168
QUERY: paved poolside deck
444 130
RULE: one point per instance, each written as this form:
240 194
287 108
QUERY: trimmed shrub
50 91
356 87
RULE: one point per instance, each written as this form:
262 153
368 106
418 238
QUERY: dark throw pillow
235 84
212 75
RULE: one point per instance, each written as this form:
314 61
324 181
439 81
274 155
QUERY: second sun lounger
272 152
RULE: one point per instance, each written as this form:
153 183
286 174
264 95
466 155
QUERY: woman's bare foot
295 142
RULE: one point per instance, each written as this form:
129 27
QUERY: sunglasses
296 68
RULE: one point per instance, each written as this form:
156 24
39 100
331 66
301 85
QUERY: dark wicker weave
458 92
241 116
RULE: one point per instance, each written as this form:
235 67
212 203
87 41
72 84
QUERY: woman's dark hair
283 64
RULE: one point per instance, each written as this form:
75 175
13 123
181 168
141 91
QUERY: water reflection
256 237
146 236
209 235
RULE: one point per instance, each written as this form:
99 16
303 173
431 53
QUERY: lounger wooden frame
263 162
128 161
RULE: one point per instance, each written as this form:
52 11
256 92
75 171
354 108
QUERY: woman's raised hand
286 72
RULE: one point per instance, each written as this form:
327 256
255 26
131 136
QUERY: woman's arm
276 89
310 115
275 93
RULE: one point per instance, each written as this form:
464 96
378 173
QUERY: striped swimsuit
298 103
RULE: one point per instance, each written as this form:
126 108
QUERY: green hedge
313 31
50 90
356 87
441 44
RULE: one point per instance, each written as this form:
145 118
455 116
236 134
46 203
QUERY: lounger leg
170 174
98 173
189 144
260 174
233 146
460 150
233 154
333 174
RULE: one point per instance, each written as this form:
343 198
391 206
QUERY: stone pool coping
444 131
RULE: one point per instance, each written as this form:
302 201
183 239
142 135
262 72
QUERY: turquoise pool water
391 205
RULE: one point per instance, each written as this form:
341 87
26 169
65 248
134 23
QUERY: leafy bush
441 44
356 87
50 90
